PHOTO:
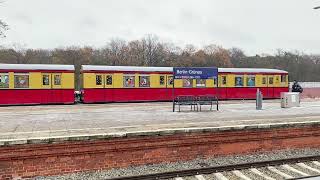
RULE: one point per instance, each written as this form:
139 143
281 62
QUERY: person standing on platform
296 87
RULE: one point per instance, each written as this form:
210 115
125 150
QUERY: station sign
195 72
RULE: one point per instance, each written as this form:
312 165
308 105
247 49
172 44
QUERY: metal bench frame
196 101
207 100
186 101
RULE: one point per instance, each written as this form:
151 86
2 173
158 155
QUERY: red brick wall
67 157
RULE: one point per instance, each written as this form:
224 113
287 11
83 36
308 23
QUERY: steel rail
210 170
305 177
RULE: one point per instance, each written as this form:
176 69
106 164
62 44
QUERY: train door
277 85
108 85
158 81
46 96
169 85
251 84
223 86
270 89
57 92
262 84
99 94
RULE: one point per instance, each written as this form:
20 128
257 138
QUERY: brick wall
66 157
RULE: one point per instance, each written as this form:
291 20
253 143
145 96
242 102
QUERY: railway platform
59 139
20 124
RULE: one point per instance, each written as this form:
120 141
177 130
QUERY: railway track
292 168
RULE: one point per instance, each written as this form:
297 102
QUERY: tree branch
3 28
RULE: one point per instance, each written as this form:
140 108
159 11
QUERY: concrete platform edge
160 132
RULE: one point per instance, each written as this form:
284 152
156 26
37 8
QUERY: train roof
126 68
170 69
36 67
251 70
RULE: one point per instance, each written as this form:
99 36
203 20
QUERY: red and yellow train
55 84
130 83
36 84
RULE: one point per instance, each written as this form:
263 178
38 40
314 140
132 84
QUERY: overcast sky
256 26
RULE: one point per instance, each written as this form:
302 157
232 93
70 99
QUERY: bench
207 100
196 101
185 101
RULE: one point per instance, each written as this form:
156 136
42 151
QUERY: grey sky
256 26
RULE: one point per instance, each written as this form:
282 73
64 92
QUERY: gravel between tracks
198 163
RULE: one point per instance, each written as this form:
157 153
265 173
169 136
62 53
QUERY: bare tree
151 47
218 56
189 50
17 53
236 55
3 26
136 53
115 51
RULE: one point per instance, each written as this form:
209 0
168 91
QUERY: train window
251 81
283 78
264 80
200 82
128 81
57 79
239 80
4 81
98 79
162 80
224 80
144 81
270 80
170 80
21 81
108 79
45 79
187 82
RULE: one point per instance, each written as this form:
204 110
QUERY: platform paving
39 124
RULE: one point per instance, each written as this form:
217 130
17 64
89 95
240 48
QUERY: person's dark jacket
297 88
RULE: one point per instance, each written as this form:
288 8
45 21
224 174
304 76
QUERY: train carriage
242 83
130 83
36 84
